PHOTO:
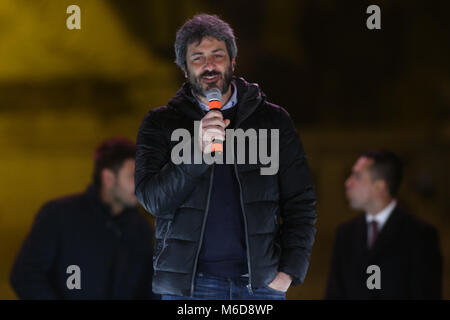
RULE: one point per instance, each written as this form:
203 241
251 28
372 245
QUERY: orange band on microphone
214 104
217 147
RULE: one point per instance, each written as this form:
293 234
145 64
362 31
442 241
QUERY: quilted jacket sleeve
297 201
161 185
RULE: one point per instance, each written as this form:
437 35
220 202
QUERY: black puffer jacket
178 195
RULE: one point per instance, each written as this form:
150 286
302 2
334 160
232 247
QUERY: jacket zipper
249 286
203 230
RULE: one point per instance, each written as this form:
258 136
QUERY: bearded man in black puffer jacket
225 229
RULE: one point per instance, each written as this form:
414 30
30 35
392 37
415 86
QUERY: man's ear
381 186
233 64
108 178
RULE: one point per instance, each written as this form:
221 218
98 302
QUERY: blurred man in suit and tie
405 248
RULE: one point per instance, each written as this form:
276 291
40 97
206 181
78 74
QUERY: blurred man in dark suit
92 245
405 249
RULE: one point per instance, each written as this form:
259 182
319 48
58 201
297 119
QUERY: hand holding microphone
212 126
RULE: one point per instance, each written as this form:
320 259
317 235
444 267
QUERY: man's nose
348 182
210 66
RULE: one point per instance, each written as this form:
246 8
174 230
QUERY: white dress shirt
231 102
380 217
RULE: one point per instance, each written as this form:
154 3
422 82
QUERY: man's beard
120 197
197 85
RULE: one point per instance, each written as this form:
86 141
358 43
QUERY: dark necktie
374 233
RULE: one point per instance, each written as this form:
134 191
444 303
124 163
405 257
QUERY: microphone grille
213 94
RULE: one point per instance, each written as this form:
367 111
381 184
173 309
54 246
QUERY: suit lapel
361 238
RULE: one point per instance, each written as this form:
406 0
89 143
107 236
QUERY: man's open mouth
211 78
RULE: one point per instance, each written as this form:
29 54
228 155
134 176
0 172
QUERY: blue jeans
209 287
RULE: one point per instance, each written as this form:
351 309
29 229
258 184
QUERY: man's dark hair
203 25
111 154
387 166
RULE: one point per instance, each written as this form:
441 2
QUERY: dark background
347 88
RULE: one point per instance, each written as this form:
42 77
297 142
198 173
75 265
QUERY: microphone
214 96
